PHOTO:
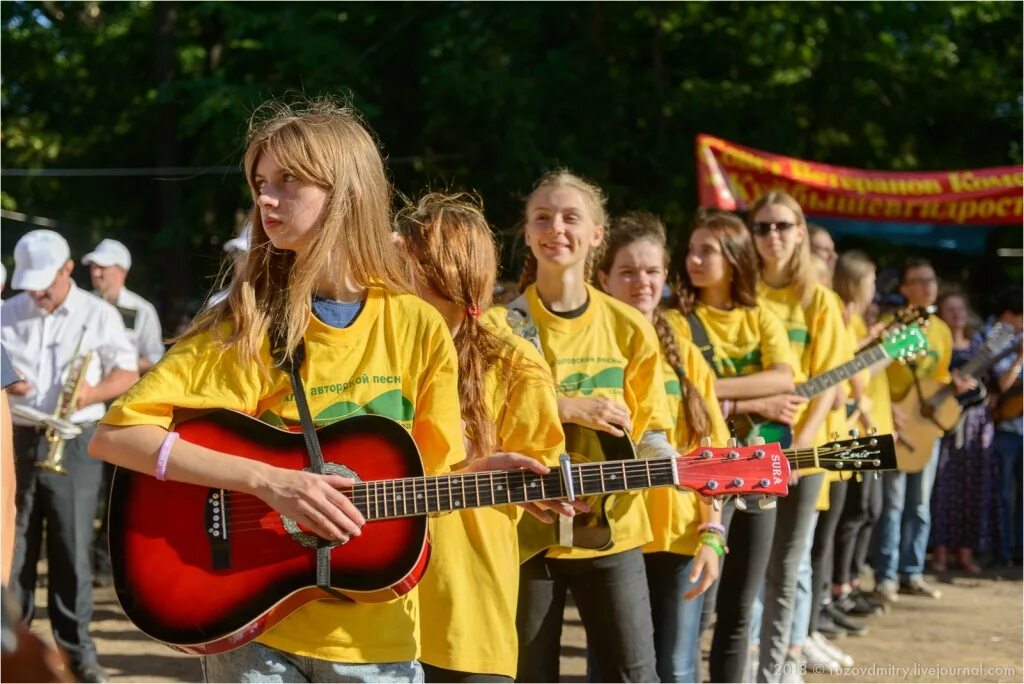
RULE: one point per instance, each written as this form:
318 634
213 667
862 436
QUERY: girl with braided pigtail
510 419
683 559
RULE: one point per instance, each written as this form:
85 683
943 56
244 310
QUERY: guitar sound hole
308 539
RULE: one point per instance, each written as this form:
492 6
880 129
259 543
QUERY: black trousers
433 674
615 608
743 571
823 549
65 505
861 511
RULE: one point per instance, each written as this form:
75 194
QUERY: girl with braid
683 559
604 358
510 417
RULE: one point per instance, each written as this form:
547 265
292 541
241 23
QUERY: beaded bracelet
164 455
713 527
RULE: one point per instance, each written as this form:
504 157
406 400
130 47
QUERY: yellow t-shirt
396 359
817 336
934 365
675 513
745 340
469 594
609 351
878 387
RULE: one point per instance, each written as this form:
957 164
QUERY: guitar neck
380 499
830 378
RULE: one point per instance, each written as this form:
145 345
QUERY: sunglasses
763 228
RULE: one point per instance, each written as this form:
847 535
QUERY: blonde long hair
595 200
324 143
452 251
800 269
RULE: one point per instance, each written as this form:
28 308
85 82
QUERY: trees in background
480 95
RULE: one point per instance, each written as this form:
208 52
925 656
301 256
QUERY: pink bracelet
727 407
165 453
713 527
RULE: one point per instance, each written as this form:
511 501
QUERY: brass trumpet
66 405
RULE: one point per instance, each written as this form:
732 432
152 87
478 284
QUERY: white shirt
41 346
143 325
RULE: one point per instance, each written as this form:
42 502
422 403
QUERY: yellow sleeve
829 344
775 347
195 374
437 422
528 420
944 344
644 387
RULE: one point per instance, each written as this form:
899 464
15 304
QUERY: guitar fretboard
382 499
831 378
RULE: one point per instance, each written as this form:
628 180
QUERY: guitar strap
291 365
700 338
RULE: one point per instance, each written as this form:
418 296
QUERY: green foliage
484 96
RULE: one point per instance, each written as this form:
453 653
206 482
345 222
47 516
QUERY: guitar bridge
217 528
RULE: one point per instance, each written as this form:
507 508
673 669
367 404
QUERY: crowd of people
608 329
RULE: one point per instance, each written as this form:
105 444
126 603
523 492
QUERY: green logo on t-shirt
611 378
731 367
673 389
391 404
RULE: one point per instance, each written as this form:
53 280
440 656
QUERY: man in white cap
108 266
41 329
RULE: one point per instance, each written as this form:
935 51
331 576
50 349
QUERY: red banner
732 177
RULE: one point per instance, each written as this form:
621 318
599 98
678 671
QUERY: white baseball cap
240 243
109 253
38 256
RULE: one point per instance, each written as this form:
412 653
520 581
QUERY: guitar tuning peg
756 441
878 475
859 477
872 431
835 436
732 443
716 504
855 433
766 503
705 441
741 503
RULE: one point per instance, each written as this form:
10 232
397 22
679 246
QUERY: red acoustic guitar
208 570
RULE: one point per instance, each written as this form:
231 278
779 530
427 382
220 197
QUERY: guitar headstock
913 314
860 454
999 338
904 342
724 471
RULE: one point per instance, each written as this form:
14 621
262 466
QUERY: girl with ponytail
510 418
607 369
633 269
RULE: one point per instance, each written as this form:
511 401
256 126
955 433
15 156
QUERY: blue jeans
256 662
1009 449
804 600
903 529
676 621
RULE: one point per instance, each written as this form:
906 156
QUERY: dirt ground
974 633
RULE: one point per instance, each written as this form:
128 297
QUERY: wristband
727 407
712 527
718 548
164 455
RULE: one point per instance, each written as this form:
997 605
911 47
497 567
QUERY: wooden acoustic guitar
932 408
208 570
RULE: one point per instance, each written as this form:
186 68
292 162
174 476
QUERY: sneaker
916 586
844 659
852 627
829 628
793 668
818 661
89 672
887 591
858 603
